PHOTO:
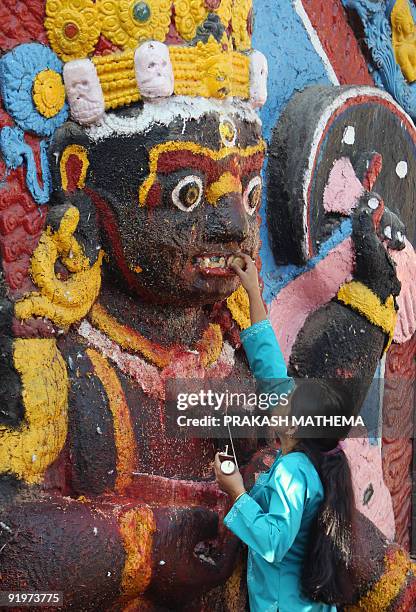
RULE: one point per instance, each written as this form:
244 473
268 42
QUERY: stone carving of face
84 91
258 79
154 72
177 200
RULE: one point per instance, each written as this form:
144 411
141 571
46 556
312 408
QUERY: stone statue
404 39
128 286
116 233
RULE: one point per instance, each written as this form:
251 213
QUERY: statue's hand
190 551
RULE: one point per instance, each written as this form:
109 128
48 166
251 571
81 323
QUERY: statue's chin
208 287
199 293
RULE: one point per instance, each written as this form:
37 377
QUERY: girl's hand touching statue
249 277
246 269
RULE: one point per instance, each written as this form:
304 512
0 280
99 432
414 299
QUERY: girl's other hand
249 275
233 485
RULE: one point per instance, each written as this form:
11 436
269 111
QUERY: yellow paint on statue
359 297
380 597
226 184
236 587
239 305
73 27
48 93
205 70
68 301
210 345
136 528
242 13
228 132
208 70
128 22
30 449
123 429
128 338
215 76
404 39
117 78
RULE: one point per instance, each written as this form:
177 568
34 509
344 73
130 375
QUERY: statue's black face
175 202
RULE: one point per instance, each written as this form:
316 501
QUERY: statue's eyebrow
177 155
170 161
179 159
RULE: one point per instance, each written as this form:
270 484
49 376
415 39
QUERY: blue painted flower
18 71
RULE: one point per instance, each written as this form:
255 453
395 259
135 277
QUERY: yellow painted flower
48 93
242 25
128 22
73 27
190 14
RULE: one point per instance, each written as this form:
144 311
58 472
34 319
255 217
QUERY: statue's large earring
63 301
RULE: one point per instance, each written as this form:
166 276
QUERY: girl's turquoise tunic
274 518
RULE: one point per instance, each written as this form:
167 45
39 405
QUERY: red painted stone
105 47
21 224
398 420
21 219
71 30
73 172
337 38
21 22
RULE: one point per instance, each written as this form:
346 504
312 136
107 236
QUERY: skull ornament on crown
143 130
83 90
154 72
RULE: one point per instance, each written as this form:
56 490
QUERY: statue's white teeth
215 261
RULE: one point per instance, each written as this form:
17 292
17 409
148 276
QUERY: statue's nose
227 221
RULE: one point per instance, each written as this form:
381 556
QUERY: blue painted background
293 65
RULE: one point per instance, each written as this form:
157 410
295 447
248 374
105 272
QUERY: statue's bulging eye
188 193
252 195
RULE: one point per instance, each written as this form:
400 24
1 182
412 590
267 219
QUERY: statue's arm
91 551
407 66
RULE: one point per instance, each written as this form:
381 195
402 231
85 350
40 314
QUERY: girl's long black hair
327 574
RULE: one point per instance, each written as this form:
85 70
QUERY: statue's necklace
208 347
151 364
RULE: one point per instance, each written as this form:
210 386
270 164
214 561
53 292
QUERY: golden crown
208 42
